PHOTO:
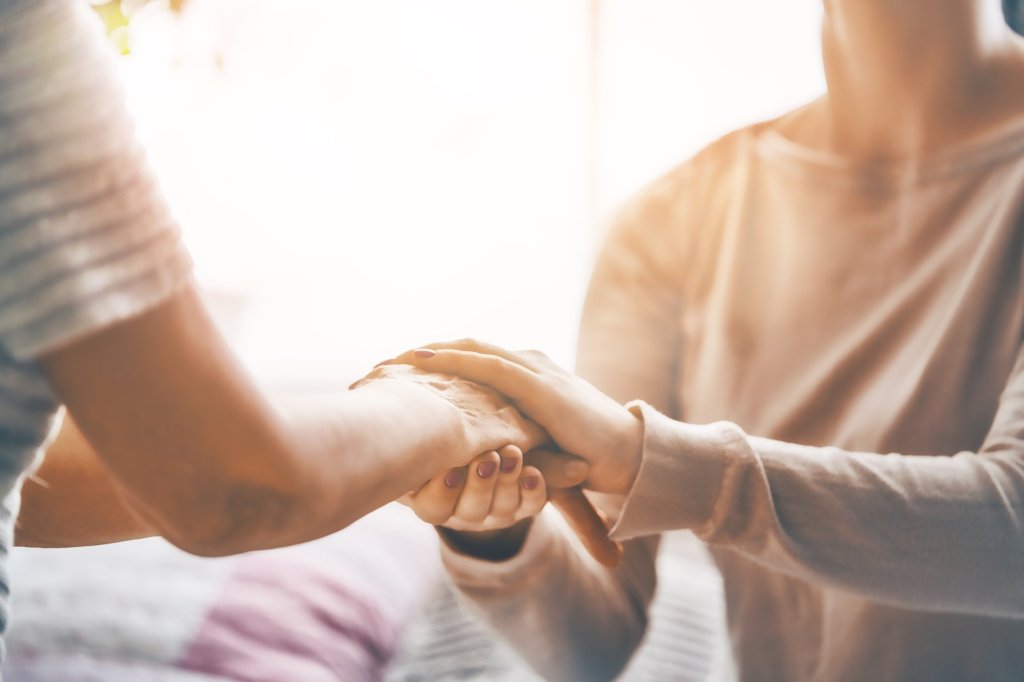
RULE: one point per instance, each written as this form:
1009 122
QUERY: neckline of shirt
1005 142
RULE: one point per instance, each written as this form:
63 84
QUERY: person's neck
908 76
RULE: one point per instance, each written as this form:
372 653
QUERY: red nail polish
531 482
454 478
508 465
486 469
424 353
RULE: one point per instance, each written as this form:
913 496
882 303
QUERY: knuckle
432 516
505 506
474 516
503 520
511 456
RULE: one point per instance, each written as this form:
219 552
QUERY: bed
368 603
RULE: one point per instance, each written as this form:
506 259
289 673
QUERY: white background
355 178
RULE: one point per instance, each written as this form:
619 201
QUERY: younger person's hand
495 491
484 509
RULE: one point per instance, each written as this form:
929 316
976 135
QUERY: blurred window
357 177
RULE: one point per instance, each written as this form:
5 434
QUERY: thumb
560 470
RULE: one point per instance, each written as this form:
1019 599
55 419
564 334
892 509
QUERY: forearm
569 617
934 533
358 450
72 501
216 467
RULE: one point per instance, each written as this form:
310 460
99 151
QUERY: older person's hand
490 494
578 417
487 419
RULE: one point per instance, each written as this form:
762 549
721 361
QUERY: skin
255 475
168 424
583 421
72 499
905 78
473 510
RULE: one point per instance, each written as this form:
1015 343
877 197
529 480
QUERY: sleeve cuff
682 469
132 294
537 550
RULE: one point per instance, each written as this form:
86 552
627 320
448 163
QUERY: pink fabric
327 611
280 618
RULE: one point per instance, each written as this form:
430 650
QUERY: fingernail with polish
455 477
486 469
508 465
531 482
424 353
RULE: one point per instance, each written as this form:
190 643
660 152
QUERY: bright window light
355 178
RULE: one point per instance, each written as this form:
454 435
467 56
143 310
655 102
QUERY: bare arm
97 307
72 500
210 464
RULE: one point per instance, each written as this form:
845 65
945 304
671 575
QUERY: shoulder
708 175
688 196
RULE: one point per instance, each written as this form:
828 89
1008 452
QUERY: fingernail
508 465
531 482
424 353
486 469
455 477
576 469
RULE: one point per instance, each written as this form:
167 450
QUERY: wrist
490 545
628 449
442 433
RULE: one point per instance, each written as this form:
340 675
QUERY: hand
578 417
483 418
488 503
493 492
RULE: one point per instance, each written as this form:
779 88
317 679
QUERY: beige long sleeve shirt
863 323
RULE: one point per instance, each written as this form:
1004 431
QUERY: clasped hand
497 489
578 417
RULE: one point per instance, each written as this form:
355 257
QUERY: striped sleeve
86 239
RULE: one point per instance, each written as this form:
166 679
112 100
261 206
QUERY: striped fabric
684 643
85 237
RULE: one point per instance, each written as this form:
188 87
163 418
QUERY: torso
877 308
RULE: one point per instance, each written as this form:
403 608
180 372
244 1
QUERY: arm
928 533
569 617
72 501
942 533
97 309
210 464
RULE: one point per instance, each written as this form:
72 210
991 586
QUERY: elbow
232 518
